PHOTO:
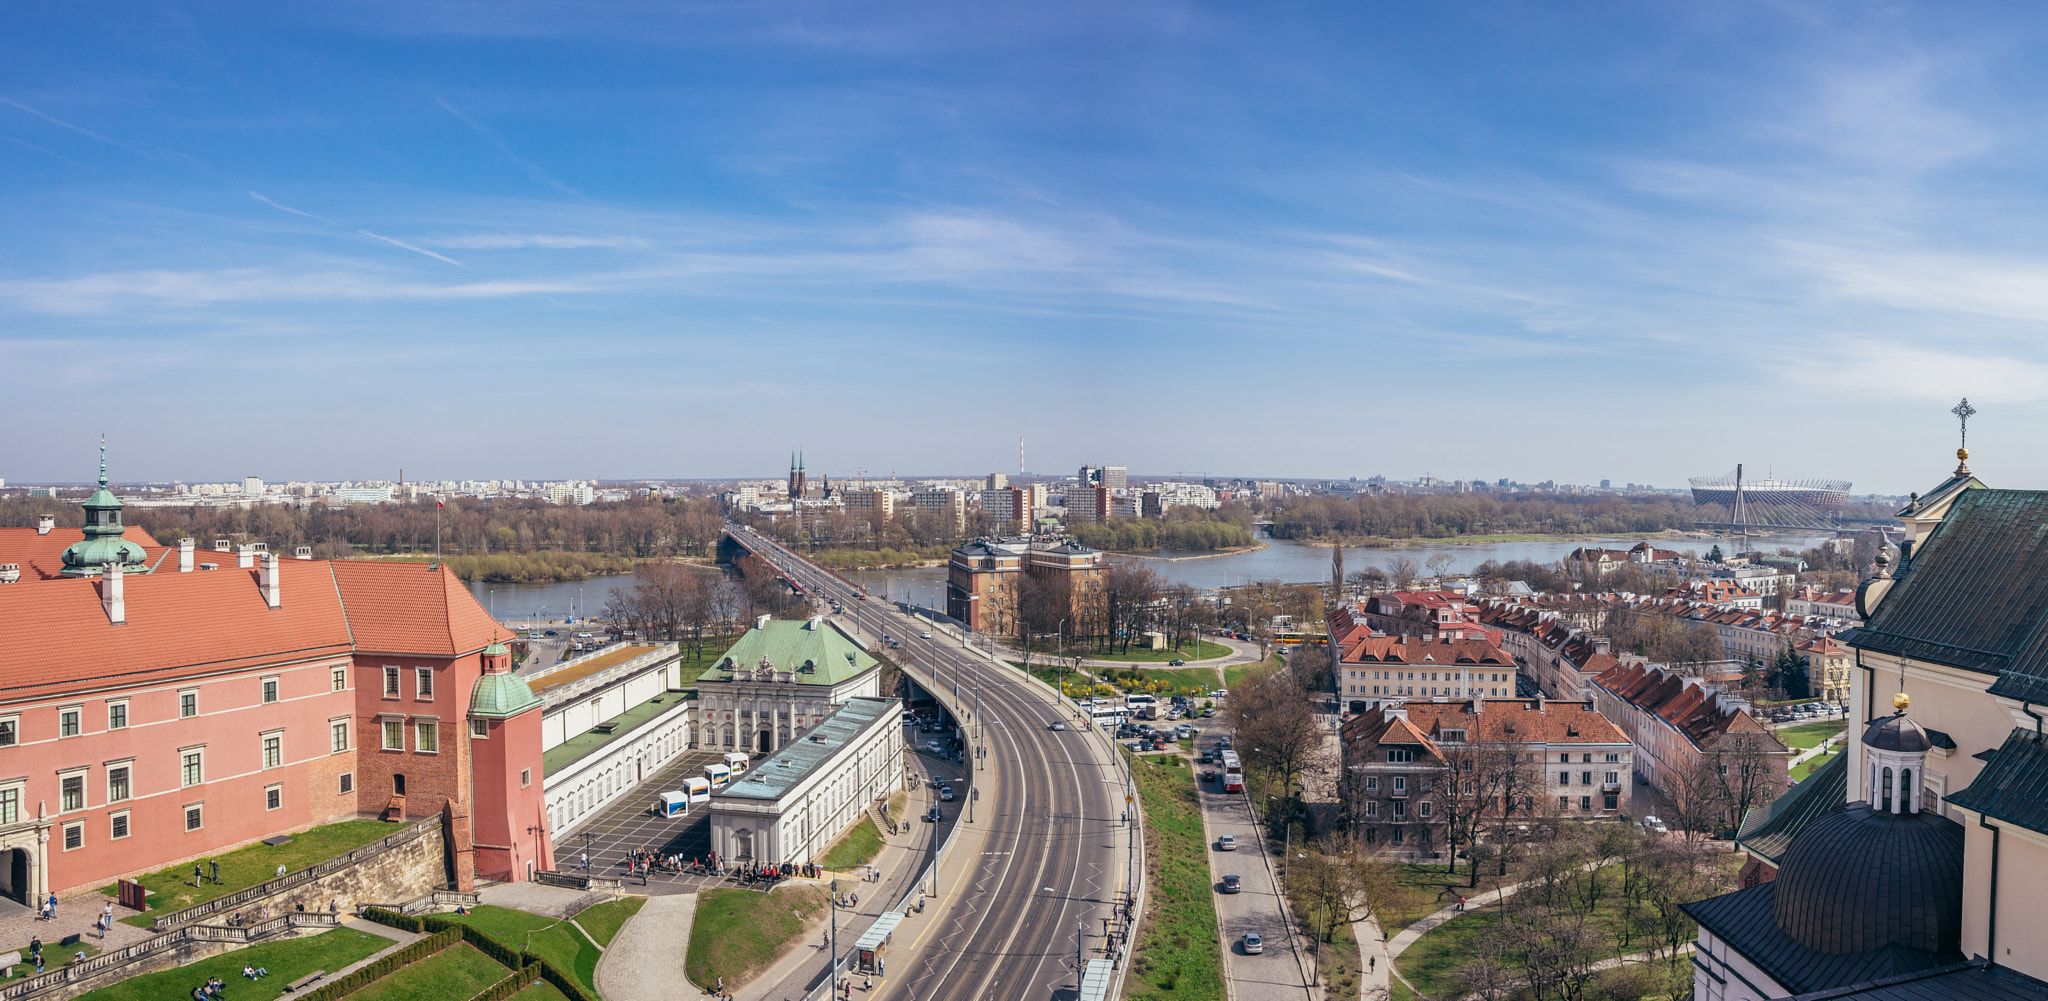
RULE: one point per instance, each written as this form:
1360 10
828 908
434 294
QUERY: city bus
1233 772
1109 716
1137 701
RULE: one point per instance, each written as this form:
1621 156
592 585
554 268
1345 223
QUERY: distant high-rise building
946 501
1088 504
881 502
252 484
997 481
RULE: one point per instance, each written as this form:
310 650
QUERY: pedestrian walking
53 907
585 860
215 863
1372 964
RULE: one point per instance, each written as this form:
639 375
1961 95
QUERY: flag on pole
439 504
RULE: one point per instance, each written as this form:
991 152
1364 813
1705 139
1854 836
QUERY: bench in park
295 986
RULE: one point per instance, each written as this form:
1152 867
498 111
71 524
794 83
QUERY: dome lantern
1895 759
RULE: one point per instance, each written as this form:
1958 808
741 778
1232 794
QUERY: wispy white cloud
531 170
81 130
1864 367
360 232
542 241
115 291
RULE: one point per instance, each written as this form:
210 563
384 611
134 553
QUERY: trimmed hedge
518 981
505 955
515 959
334 990
563 982
393 919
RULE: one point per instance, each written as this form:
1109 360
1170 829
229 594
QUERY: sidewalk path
902 858
646 959
1816 750
1408 935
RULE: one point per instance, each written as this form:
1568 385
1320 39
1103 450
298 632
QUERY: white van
717 775
736 762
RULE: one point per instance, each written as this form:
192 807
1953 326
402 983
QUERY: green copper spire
105 537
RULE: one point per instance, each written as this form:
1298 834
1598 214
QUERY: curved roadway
1050 865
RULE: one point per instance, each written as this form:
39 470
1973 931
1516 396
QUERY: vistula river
1281 560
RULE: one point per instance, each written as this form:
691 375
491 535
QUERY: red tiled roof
1556 722
1444 651
1686 707
55 637
42 556
408 608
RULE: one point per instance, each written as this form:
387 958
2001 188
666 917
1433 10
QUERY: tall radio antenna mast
1020 455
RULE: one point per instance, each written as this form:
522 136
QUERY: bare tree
1402 571
1510 768
1440 565
1277 730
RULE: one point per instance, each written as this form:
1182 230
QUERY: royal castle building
162 703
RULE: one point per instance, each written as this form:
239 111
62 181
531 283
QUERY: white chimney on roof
815 622
44 523
270 589
220 545
761 622
303 553
245 556
110 594
185 555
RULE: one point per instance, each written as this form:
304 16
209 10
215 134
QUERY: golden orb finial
1901 701
1962 455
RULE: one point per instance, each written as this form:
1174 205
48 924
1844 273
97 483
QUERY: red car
1208 775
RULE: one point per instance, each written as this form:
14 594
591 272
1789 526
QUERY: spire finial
103 458
1963 412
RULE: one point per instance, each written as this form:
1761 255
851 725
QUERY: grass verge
459 971
542 991
1806 735
739 934
287 961
1204 650
1162 680
859 846
1801 770
1238 675
550 939
172 889
1179 954
604 921
53 955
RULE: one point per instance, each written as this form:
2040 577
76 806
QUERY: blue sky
1630 240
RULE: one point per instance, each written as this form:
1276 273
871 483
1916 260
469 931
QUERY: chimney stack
270 590
44 523
303 553
245 556
815 623
762 621
220 545
185 555
110 594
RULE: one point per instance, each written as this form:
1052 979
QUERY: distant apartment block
880 503
946 502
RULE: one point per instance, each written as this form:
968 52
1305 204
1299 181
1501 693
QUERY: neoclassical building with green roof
780 678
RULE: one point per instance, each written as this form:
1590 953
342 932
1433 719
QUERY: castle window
1887 790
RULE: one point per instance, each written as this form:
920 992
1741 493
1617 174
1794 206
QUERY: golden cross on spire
1963 412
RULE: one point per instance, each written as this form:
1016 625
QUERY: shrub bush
393 919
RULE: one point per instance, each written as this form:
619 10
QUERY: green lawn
1806 735
457 972
1429 962
739 934
1162 681
604 921
287 961
1179 954
859 846
558 942
1205 650
1238 675
1801 770
171 889
54 955
1397 991
542 991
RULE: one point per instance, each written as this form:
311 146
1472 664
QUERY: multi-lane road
1051 849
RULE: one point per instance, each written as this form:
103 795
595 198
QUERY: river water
1281 560
1293 562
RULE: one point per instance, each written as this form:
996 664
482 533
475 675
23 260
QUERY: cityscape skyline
524 240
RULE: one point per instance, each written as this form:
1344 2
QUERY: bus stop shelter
868 952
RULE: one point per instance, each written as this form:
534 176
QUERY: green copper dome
500 696
103 542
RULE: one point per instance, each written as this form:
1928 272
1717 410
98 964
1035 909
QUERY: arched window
1886 789
1905 790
